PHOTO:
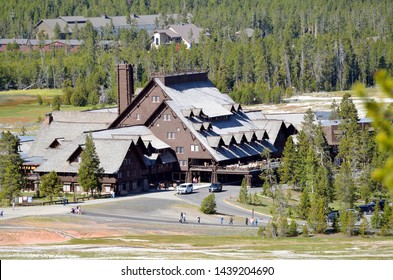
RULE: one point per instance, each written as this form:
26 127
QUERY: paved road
148 207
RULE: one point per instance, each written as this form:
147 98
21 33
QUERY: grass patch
32 92
20 108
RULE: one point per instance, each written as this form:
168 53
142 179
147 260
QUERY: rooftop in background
68 23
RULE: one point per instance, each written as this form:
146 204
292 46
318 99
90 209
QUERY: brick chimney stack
125 86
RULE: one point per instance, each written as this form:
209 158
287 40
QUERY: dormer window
194 148
155 99
167 117
75 157
55 144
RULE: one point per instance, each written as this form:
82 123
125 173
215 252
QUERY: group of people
252 221
196 180
183 219
77 210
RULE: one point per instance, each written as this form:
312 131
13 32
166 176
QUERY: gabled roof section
67 126
132 133
199 97
137 99
189 32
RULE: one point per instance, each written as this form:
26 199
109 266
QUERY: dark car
215 187
366 208
333 215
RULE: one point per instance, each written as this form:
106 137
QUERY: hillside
296 47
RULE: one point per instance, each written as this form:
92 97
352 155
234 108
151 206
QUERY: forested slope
298 46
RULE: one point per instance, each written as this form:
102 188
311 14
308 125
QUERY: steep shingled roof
204 100
65 128
111 145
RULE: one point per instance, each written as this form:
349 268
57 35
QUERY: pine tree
376 219
243 193
90 172
364 226
345 187
288 162
317 218
303 208
282 226
51 185
334 113
303 147
349 131
305 232
292 231
11 178
347 222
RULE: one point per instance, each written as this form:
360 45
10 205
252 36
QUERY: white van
185 188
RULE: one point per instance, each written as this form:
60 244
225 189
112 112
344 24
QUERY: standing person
246 221
199 220
181 217
1 214
184 217
13 205
222 220
256 221
231 221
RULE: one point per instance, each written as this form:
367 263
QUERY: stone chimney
48 118
125 86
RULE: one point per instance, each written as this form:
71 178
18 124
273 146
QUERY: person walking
231 221
184 217
1 214
222 220
246 221
199 220
181 217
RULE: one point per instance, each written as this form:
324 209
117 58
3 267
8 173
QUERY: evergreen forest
297 46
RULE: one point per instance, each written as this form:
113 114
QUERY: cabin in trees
331 130
177 128
187 34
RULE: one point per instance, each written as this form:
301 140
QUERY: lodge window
155 99
171 135
182 162
138 116
194 148
179 150
167 117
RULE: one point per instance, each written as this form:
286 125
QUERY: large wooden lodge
177 128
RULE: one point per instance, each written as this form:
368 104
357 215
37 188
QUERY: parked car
185 188
366 208
333 215
215 187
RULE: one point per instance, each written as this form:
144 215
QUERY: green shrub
209 205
